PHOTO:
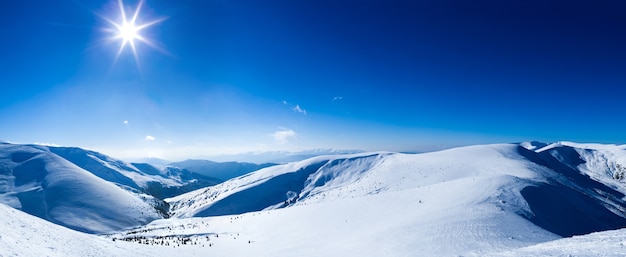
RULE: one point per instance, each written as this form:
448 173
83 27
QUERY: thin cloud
337 98
125 122
283 136
150 138
299 109
295 108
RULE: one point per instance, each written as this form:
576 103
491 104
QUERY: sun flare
127 29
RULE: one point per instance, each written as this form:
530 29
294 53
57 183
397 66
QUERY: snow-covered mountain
485 200
139 176
86 190
470 200
39 182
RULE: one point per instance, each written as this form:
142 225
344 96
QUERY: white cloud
125 122
337 98
298 109
283 136
150 138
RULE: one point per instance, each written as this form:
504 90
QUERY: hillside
39 182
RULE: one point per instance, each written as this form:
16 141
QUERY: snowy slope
272 187
43 184
25 235
604 163
412 222
470 201
542 184
607 244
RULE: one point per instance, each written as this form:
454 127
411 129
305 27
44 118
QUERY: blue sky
244 75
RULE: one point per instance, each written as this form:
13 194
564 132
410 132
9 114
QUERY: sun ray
136 12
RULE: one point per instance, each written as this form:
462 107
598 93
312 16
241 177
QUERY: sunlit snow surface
501 200
26 235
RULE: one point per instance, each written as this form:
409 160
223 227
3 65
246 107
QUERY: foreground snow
26 235
607 244
386 224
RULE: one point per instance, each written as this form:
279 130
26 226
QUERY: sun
127 29
128 32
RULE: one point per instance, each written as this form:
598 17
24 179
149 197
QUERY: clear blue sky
248 75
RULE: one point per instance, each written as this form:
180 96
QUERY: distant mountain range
221 170
275 156
157 162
